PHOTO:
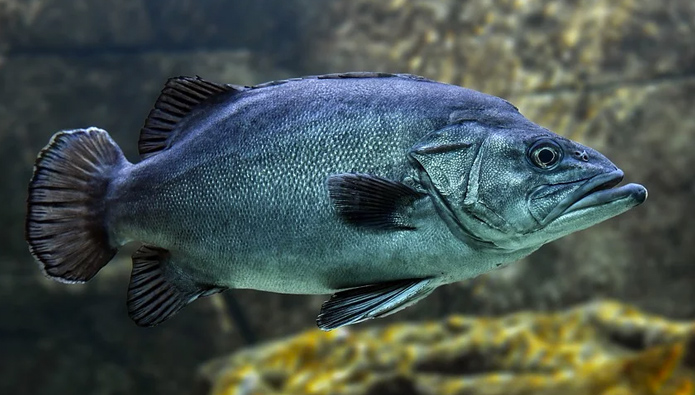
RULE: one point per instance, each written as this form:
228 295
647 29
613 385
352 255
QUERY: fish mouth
603 189
598 191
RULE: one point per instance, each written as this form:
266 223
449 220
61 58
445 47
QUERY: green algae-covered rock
601 348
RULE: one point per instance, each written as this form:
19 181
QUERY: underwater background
609 310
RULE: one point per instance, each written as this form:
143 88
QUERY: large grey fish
377 188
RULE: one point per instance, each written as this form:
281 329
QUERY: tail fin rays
65 225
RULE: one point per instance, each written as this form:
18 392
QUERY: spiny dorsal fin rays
181 95
178 98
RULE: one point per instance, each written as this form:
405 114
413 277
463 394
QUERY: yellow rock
601 348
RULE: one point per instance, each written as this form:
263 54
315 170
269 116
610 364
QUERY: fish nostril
582 155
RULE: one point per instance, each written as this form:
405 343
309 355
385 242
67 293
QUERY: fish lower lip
636 191
588 188
602 189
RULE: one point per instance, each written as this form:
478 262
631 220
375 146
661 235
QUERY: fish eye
545 154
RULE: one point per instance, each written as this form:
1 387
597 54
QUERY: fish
374 188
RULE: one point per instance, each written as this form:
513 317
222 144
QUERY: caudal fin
65 225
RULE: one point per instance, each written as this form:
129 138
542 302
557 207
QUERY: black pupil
546 156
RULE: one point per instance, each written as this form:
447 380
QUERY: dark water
618 77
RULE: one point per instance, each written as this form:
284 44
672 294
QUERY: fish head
516 185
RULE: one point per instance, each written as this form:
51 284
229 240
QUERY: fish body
251 205
375 187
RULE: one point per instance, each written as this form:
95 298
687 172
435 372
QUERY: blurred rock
88 27
62 339
65 25
601 348
510 47
79 340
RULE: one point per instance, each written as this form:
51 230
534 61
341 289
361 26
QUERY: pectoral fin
372 301
156 292
372 202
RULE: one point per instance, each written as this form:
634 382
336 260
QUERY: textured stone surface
87 27
80 341
602 348
511 46
57 24
59 339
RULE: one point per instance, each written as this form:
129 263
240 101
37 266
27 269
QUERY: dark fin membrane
356 74
371 301
65 225
342 76
155 293
372 202
178 98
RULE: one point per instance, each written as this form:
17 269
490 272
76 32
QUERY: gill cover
449 162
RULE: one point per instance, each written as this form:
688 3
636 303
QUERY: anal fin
155 293
372 301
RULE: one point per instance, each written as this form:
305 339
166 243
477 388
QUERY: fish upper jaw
595 200
595 192
635 191
586 191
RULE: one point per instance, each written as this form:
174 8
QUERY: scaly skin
240 199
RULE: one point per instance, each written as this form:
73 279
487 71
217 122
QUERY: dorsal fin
179 96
